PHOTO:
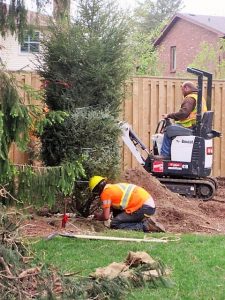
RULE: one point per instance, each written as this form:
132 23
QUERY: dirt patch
181 214
213 209
178 214
44 226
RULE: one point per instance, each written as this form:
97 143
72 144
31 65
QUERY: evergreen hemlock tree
13 18
84 62
17 120
91 132
84 66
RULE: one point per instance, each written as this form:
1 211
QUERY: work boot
150 225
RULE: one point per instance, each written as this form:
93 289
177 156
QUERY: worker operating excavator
188 143
186 116
131 205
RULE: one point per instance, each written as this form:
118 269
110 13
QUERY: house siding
12 58
187 38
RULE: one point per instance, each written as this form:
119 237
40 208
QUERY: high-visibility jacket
191 119
124 196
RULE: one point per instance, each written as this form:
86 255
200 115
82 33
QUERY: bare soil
178 214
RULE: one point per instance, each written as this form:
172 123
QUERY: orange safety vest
191 119
124 196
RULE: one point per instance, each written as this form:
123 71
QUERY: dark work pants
132 221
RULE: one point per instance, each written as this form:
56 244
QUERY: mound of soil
181 214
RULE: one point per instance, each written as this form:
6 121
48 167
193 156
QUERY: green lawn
197 262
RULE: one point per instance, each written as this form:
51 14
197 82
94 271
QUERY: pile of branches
19 279
117 280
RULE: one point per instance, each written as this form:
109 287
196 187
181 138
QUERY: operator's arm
186 108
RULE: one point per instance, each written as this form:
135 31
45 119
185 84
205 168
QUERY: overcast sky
204 7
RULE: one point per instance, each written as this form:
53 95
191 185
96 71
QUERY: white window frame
30 42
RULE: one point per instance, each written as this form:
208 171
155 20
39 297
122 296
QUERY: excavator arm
134 143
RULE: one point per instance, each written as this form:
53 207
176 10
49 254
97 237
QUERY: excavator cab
190 164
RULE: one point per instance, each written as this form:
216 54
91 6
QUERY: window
31 43
173 60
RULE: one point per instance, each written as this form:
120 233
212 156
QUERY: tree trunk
61 9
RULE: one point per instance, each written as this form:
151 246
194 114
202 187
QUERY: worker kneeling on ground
130 205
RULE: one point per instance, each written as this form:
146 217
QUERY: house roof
38 20
215 24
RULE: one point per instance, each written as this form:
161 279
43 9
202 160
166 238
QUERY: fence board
144 114
135 114
177 96
140 108
127 113
153 108
162 98
170 95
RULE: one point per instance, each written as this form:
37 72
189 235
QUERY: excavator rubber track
201 189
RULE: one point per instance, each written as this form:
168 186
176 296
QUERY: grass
197 262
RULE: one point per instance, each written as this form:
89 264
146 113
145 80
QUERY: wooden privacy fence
146 99
33 80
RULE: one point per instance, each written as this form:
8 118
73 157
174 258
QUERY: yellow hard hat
94 181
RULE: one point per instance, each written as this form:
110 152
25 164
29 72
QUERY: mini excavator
187 172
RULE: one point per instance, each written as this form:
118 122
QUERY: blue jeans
171 132
132 221
166 145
